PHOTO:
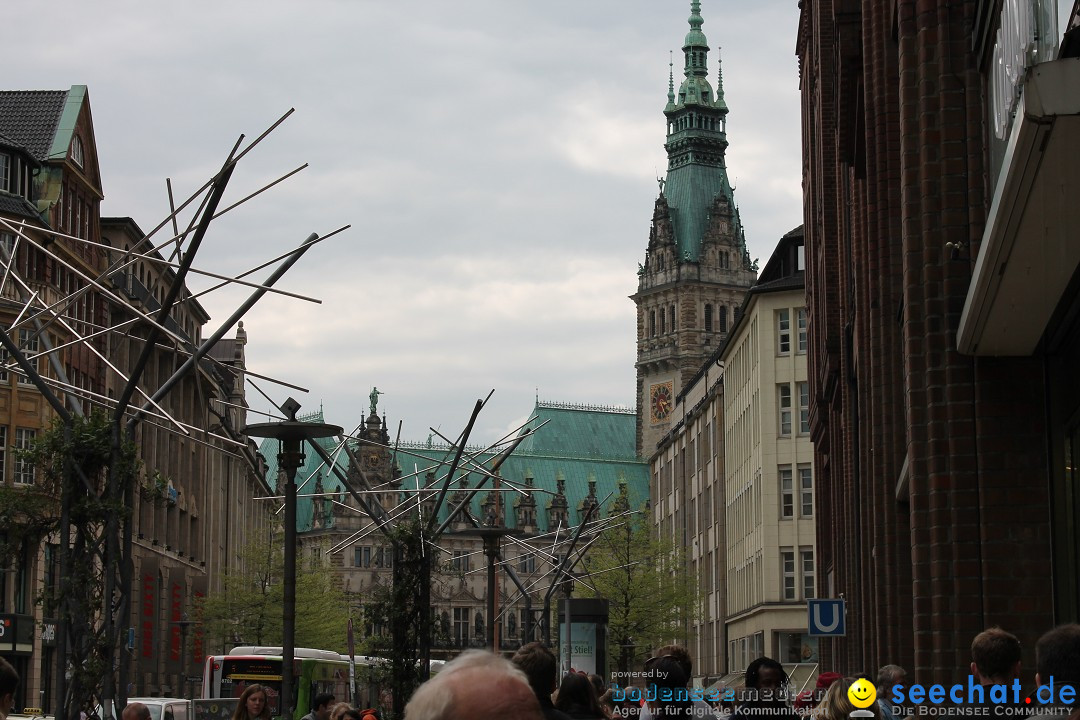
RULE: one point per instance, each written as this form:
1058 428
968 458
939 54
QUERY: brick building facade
944 480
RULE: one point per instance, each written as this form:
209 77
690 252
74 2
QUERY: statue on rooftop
374 398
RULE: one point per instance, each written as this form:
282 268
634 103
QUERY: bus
314 672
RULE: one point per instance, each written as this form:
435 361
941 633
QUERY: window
808 574
652 323
802 329
663 321
804 407
527 564
3 456
461 626
783 395
723 319
787 492
5 172
783 331
28 343
708 318
787 563
806 491
24 469
460 563
77 150
384 557
671 314
362 557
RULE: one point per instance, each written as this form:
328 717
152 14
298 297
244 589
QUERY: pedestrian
135 711
577 698
252 704
995 661
765 692
888 677
323 703
682 656
666 690
9 683
807 700
1057 665
540 666
476 685
837 705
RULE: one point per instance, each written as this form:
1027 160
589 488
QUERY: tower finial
671 78
719 77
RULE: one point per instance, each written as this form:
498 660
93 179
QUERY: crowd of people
479 685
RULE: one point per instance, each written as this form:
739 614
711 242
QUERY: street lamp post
184 623
291 434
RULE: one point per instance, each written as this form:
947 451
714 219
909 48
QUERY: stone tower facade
697 269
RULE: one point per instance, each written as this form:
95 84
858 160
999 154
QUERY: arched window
663 322
652 323
77 150
708 318
722 318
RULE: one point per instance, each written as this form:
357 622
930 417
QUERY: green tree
648 588
73 462
249 606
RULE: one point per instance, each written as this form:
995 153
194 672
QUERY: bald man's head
135 711
476 685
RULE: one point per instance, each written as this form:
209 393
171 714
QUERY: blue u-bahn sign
825 618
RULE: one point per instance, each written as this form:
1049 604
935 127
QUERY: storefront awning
1030 248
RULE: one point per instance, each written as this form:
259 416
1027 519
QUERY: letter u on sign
825 617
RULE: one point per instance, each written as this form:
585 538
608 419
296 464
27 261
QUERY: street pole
291 434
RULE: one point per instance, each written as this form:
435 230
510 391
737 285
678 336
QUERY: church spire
671 82
695 47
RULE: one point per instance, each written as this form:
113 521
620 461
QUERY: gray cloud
497 162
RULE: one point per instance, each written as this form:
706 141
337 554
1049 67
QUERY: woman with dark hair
252 705
666 682
577 698
766 692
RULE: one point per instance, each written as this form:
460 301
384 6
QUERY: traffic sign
825 617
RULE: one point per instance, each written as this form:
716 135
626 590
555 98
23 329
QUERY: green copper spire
671 82
720 83
696 144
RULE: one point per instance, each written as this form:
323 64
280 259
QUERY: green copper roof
696 143
695 37
76 96
579 443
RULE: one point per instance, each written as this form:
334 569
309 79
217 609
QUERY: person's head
323 703
765 674
9 683
995 657
837 705
252 703
476 685
677 653
1057 655
366 714
135 711
598 684
541 668
764 681
576 693
666 678
887 676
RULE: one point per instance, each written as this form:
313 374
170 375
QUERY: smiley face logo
862 693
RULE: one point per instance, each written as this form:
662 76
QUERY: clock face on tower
661 401
372 462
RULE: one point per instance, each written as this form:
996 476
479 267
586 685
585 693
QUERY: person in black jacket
542 669
577 698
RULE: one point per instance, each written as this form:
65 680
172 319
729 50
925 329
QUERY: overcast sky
497 162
